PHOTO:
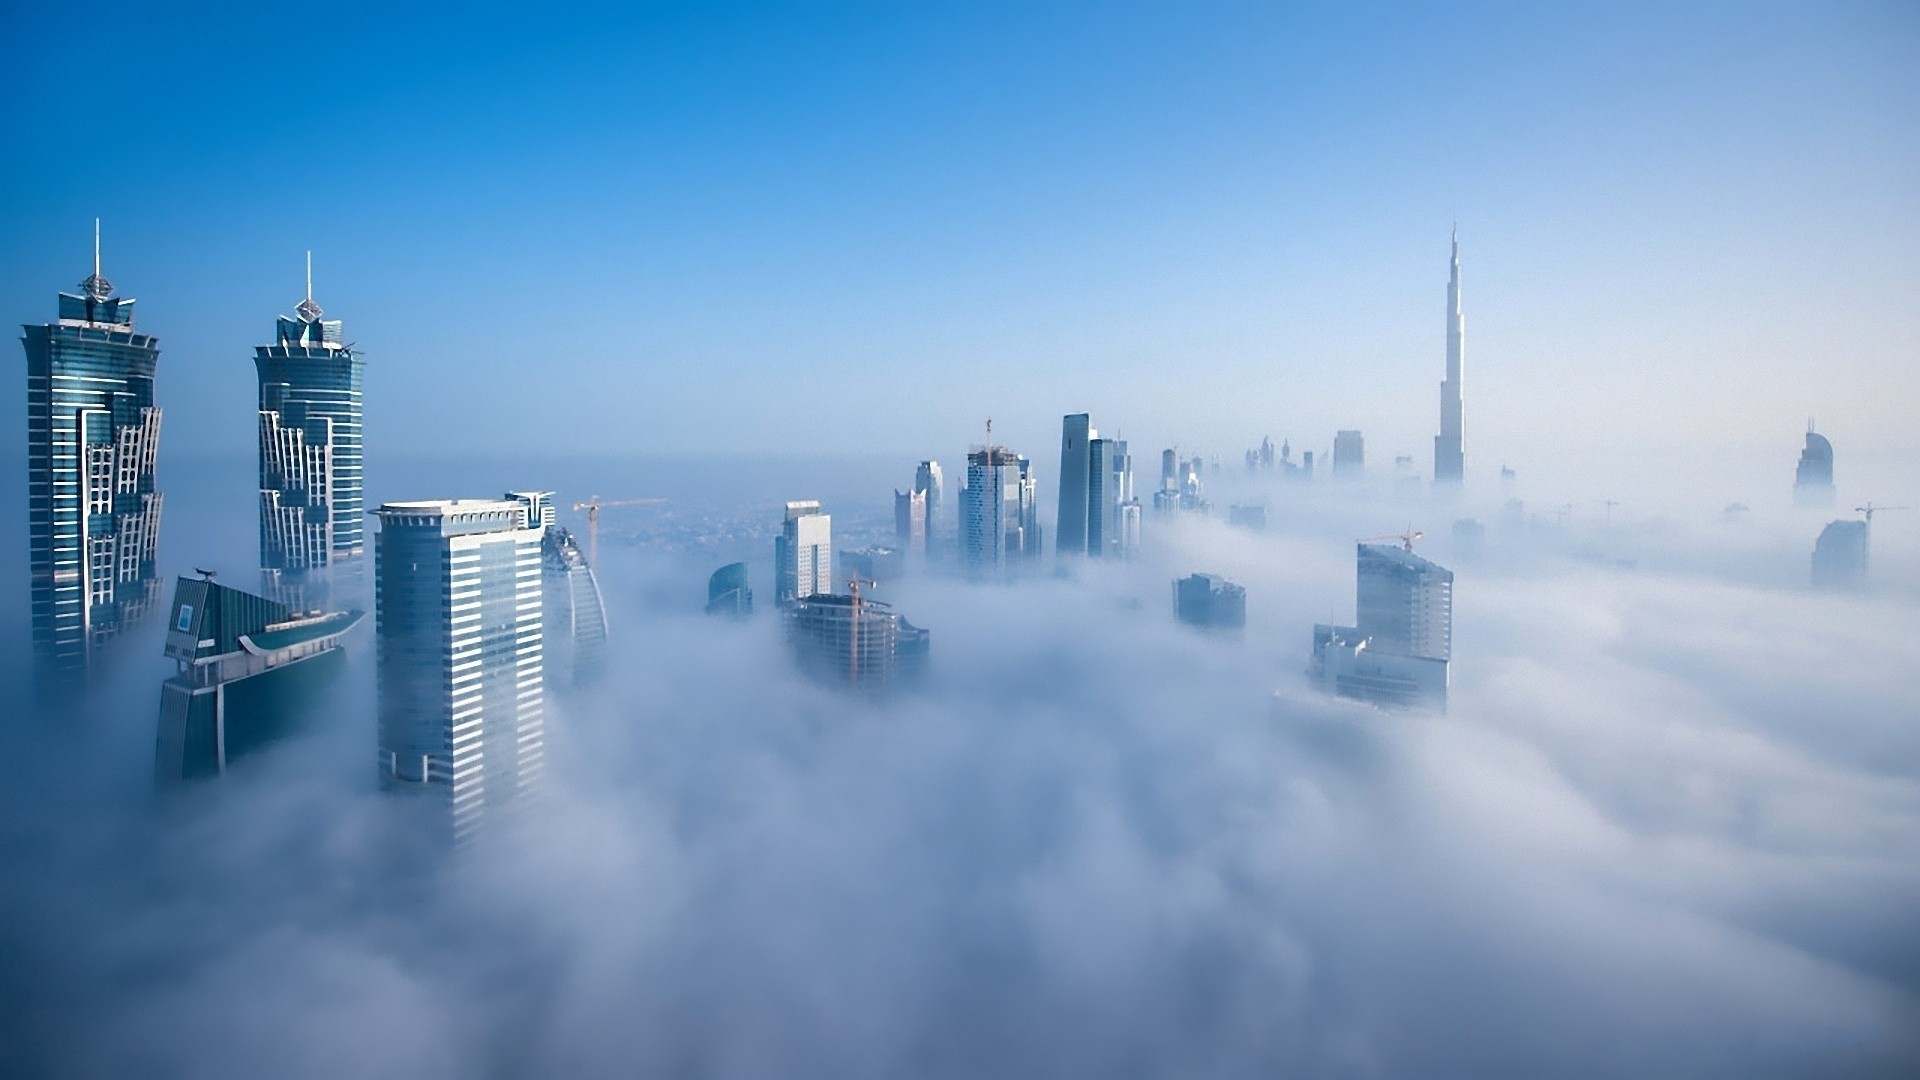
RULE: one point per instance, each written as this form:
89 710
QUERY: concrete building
1813 477
803 554
850 640
1449 447
574 619
1349 454
250 670
93 505
1210 601
1840 556
1401 648
728 592
460 655
311 476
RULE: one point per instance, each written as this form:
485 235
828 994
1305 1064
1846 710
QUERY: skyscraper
1109 494
1400 650
250 669
1840 556
457 597
803 554
1813 478
928 481
1449 452
910 520
1349 454
1070 524
574 622
310 451
999 513
93 509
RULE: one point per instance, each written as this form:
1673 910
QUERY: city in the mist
1663 818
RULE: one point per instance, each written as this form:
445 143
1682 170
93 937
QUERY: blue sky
868 227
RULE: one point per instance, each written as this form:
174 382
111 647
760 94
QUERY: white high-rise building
803 553
457 598
1449 451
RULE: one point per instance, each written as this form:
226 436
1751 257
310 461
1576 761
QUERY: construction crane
854 581
1407 538
1869 510
593 506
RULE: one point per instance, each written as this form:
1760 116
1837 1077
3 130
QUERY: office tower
93 509
310 452
928 481
874 563
1109 491
999 513
1076 482
1813 479
850 640
1349 454
1266 453
250 670
803 554
1840 556
457 601
1210 601
1400 649
574 619
910 520
728 592
1306 465
1130 528
1449 452
1169 470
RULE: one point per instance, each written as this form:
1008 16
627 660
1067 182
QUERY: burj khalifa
1449 456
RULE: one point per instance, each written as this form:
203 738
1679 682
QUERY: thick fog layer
1669 826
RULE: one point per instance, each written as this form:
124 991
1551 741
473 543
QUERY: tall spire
307 309
1449 464
97 287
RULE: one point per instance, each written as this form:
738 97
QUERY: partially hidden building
93 507
1449 447
1813 477
1349 455
1210 602
251 671
574 626
460 651
1840 556
849 640
728 591
999 513
1399 649
802 553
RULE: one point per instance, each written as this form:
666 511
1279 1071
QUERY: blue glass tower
93 511
310 461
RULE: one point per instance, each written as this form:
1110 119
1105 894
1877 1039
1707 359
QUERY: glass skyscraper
999 513
93 510
576 617
457 600
310 449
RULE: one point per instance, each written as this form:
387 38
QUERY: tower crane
854 581
1869 510
1407 538
593 506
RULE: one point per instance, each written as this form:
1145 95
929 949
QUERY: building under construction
850 640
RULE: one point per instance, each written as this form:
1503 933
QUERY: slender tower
93 510
1449 455
310 468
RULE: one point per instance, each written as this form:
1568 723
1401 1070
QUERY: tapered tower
1449 452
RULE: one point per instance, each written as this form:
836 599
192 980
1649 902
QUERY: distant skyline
681 230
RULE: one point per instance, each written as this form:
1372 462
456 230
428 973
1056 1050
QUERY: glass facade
311 502
93 507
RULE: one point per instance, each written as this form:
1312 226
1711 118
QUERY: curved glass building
728 592
575 616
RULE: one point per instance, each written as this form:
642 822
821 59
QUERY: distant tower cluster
311 477
1181 486
460 651
999 512
1813 478
1449 453
1399 651
803 554
1098 513
93 508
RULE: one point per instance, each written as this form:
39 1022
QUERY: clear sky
709 227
